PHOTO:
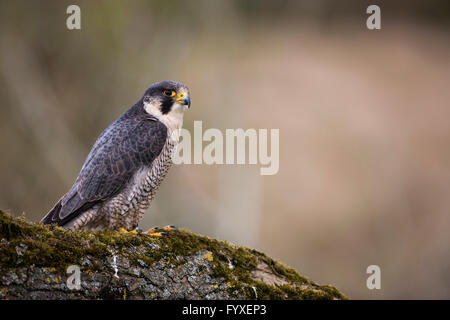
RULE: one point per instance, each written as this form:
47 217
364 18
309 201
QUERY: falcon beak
183 98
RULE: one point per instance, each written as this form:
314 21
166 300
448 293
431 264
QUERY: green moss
41 245
280 269
331 292
45 245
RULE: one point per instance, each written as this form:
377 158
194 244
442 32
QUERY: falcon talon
126 165
134 231
170 228
151 230
157 234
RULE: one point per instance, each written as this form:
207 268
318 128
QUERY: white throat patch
172 120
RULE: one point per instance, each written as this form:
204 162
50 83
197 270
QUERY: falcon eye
169 93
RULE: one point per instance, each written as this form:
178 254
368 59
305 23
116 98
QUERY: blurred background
364 119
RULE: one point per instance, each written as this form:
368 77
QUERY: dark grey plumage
125 166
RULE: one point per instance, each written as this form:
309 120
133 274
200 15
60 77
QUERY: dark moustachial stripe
166 105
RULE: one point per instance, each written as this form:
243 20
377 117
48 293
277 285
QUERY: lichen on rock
181 265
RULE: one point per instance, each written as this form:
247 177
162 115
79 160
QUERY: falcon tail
53 215
67 210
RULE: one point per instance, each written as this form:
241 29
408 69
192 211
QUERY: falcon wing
118 153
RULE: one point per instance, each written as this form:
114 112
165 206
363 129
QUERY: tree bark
42 262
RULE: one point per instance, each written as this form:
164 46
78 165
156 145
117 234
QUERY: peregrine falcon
126 165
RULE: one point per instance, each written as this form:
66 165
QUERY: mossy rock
180 265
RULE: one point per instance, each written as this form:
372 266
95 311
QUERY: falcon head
166 98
